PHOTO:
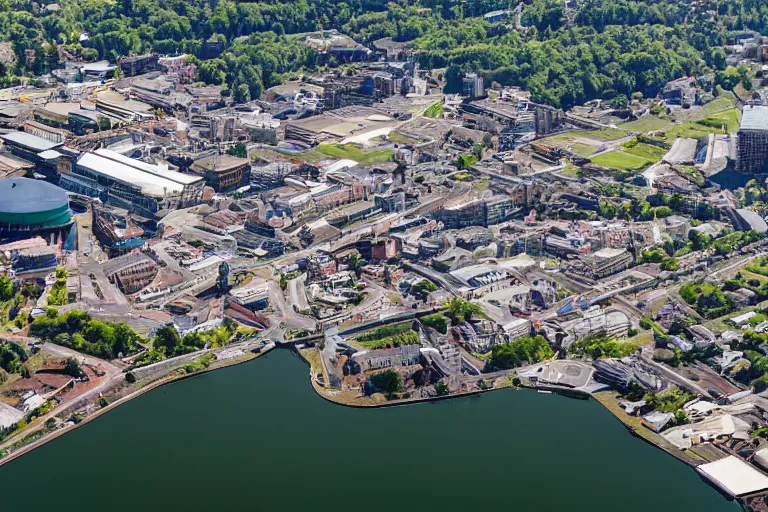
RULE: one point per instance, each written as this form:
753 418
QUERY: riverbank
636 428
263 430
607 399
343 398
250 356
352 399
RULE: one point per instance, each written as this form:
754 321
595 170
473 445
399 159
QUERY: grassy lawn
720 325
642 339
689 130
310 156
312 355
461 176
604 134
435 111
352 152
399 138
583 149
620 160
647 123
694 130
723 102
752 275
732 116
570 170
648 151
657 306
481 184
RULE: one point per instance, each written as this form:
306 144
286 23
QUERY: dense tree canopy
169 343
605 48
460 310
6 288
12 356
77 330
520 351
388 381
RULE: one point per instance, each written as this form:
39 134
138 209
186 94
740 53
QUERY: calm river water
257 437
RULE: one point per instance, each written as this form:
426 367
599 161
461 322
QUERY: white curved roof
153 185
159 170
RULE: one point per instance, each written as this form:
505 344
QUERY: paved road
170 262
298 293
739 262
671 375
363 308
437 277
287 313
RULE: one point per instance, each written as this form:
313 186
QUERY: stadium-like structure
31 207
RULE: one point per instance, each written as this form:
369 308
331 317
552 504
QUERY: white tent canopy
734 476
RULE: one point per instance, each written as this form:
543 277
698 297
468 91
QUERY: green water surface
257 437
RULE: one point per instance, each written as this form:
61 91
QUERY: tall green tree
460 310
167 337
6 288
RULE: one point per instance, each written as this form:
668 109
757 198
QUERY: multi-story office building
753 140
473 86
476 213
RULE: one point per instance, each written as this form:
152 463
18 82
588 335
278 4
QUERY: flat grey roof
754 117
755 221
29 141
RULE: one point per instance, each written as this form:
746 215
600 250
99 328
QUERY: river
257 437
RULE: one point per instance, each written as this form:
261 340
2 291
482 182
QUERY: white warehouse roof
152 185
159 170
734 476
32 142
9 415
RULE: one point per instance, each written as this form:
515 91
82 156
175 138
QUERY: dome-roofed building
31 207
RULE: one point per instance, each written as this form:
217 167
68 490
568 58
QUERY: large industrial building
477 212
148 189
32 207
753 140
603 263
26 145
223 172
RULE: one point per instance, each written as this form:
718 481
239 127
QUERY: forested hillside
602 48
